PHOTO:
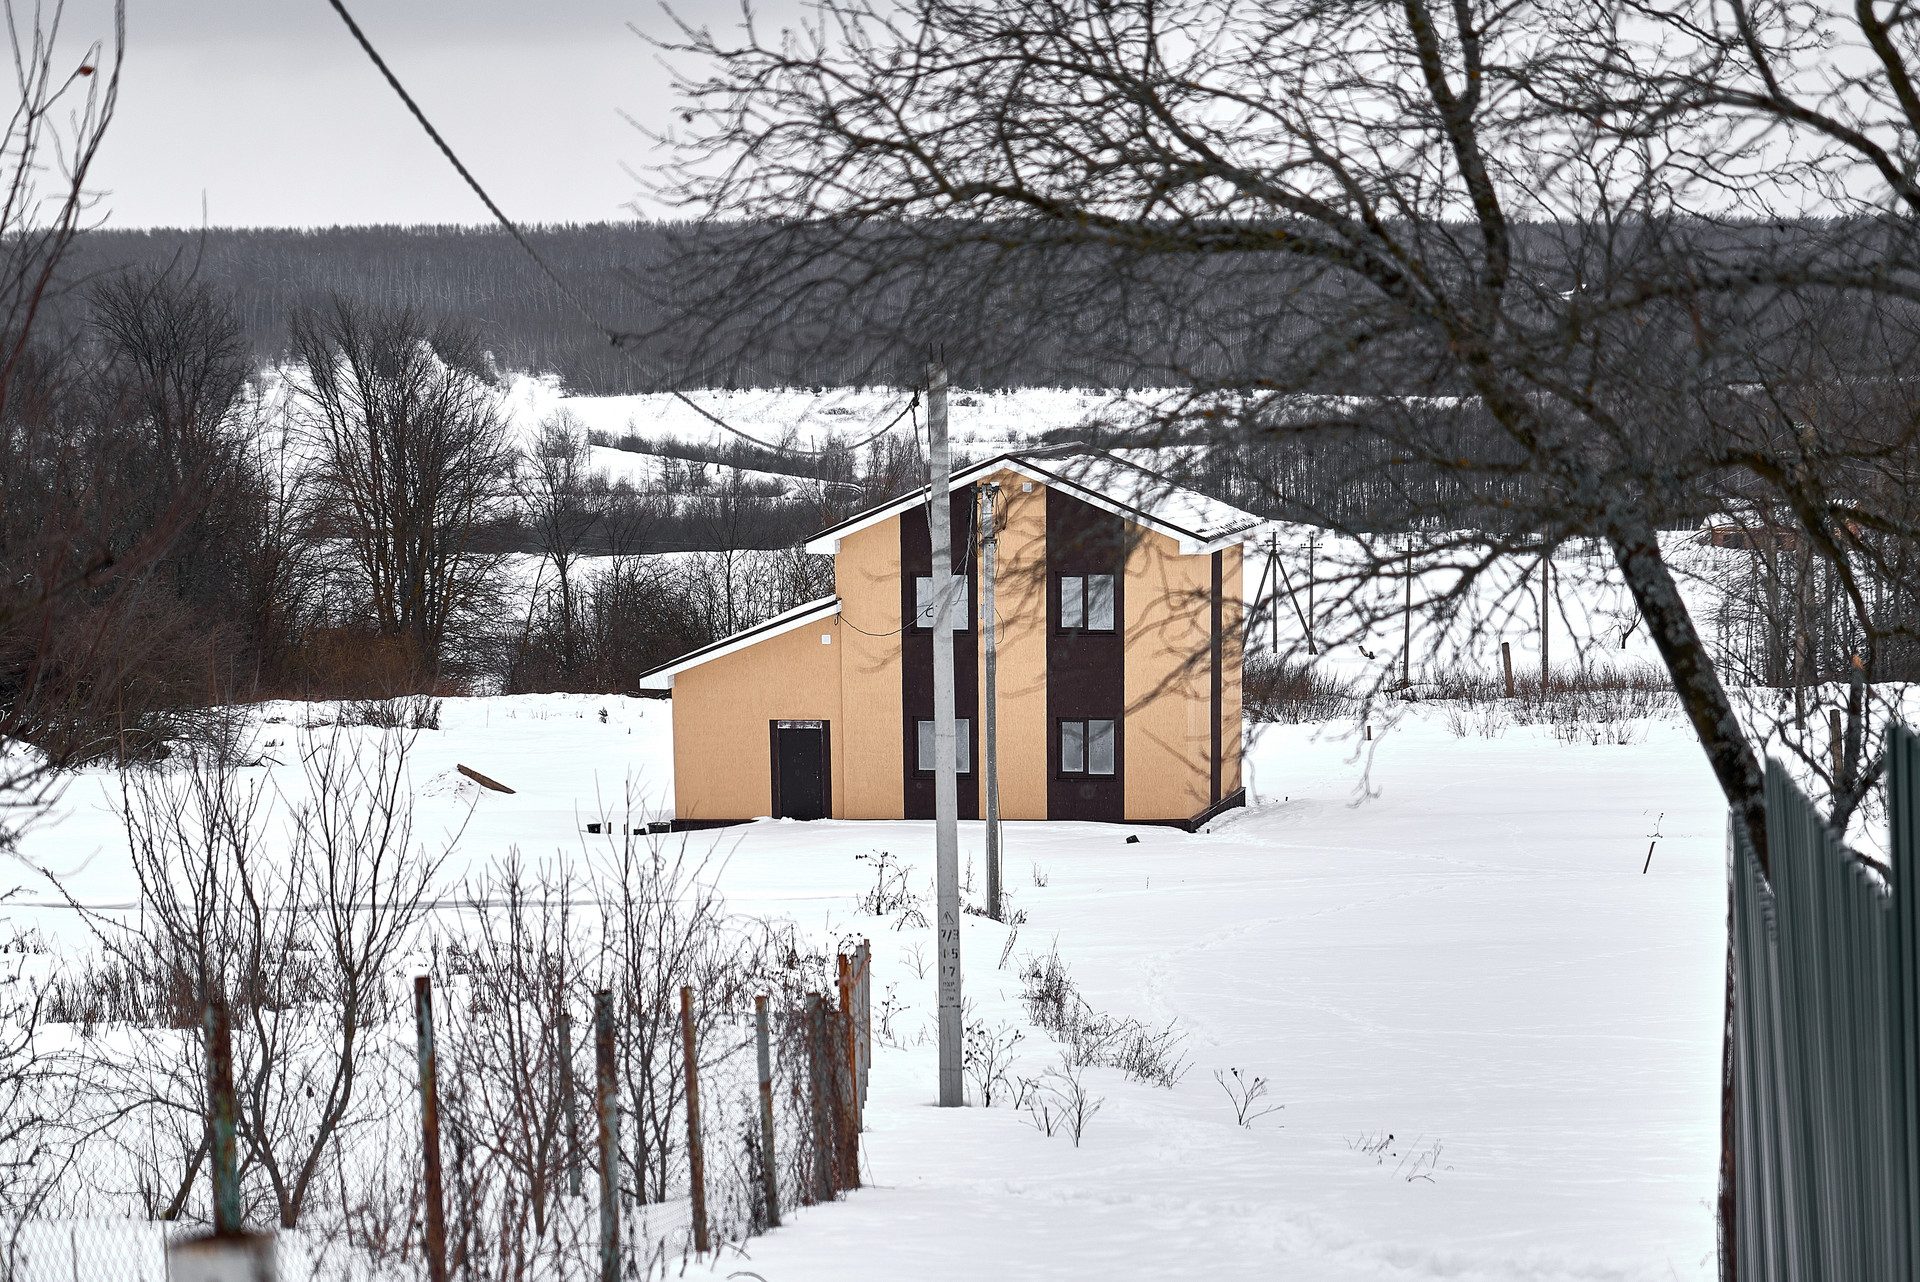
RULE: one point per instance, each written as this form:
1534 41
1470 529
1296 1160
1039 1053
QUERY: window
1086 602
923 602
1087 747
962 746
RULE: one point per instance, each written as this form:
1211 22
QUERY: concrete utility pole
946 796
989 545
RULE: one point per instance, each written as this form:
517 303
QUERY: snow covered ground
980 422
1446 941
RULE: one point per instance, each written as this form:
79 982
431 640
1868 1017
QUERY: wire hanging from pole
617 338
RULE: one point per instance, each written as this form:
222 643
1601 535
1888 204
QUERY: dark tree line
624 272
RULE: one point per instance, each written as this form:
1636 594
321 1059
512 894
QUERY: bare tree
558 494
300 942
1560 261
504 1058
410 458
50 562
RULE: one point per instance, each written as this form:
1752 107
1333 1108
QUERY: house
1118 661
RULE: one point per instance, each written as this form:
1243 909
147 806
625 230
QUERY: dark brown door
800 783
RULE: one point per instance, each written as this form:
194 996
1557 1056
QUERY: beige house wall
1232 644
1020 590
866 575
1168 681
722 715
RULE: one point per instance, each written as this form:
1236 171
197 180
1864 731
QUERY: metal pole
1546 604
989 545
946 797
567 1093
606 1099
222 1117
769 1172
696 1152
1268 576
1406 644
436 1246
1310 573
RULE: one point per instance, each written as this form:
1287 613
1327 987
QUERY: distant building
1726 532
1119 648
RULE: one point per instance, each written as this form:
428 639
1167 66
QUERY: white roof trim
1190 543
661 678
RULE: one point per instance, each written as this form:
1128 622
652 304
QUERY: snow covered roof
661 678
1199 524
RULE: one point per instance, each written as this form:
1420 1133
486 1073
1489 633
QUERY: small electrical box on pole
990 742
946 795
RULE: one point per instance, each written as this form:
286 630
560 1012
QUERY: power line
616 337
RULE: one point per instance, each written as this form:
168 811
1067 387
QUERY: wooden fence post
769 1170
606 1099
1506 661
696 1156
818 1082
850 1048
848 1080
866 1017
436 1245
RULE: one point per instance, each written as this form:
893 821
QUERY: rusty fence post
222 1120
567 1094
436 1244
229 1252
696 1155
606 1102
769 1170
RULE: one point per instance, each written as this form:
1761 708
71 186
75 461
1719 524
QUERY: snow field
980 422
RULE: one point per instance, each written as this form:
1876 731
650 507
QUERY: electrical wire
617 338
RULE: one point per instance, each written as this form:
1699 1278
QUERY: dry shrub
354 662
1277 689
1607 705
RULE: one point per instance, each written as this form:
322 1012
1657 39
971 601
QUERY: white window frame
923 602
962 746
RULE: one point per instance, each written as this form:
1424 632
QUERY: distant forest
479 277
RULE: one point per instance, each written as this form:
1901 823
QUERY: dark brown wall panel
916 654
1085 670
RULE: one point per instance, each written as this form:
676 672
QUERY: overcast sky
269 108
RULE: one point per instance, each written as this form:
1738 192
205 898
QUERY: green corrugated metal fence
1827 1044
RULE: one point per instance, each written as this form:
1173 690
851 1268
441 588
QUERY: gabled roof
1199 524
661 678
